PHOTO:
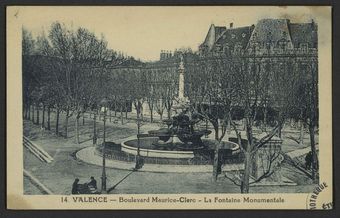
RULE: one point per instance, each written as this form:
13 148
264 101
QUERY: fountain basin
148 149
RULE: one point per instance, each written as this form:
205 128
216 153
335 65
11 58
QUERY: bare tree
260 83
211 95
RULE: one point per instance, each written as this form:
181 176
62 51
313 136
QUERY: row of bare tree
67 71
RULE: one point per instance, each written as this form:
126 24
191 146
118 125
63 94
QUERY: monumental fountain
180 142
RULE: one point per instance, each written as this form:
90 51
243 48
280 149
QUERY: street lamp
139 160
103 109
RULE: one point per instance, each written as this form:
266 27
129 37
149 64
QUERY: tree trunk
126 113
161 116
24 111
29 112
151 115
265 119
169 113
77 127
247 161
43 117
216 153
280 131
315 162
246 173
38 116
48 118
115 108
33 120
216 166
121 115
83 115
57 122
66 123
215 125
110 115
94 139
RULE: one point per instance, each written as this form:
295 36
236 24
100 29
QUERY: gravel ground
60 174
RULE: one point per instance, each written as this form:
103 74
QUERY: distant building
269 34
165 55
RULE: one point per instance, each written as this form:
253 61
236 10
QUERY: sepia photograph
196 107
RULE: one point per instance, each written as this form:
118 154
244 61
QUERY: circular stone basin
175 150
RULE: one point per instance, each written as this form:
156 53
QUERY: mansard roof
238 35
219 31
271 30
213 33
304 33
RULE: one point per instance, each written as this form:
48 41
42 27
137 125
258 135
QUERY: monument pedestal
268 160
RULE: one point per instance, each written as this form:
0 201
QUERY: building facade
268 34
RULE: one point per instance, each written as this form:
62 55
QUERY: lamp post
139 161
103 109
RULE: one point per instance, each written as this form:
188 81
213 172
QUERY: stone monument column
181 97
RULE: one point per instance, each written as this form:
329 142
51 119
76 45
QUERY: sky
142 32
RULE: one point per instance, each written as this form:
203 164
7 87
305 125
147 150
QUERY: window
218 48
237 47
226 48
304 46
282 43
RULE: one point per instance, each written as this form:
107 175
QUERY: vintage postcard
125 107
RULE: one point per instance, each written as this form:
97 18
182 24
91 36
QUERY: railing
197 160
37 151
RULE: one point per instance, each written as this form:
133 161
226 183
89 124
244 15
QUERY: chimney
313 24
231 25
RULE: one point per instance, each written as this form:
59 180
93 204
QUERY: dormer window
282 43
304 46
226 47
218 48
237 47
254 36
